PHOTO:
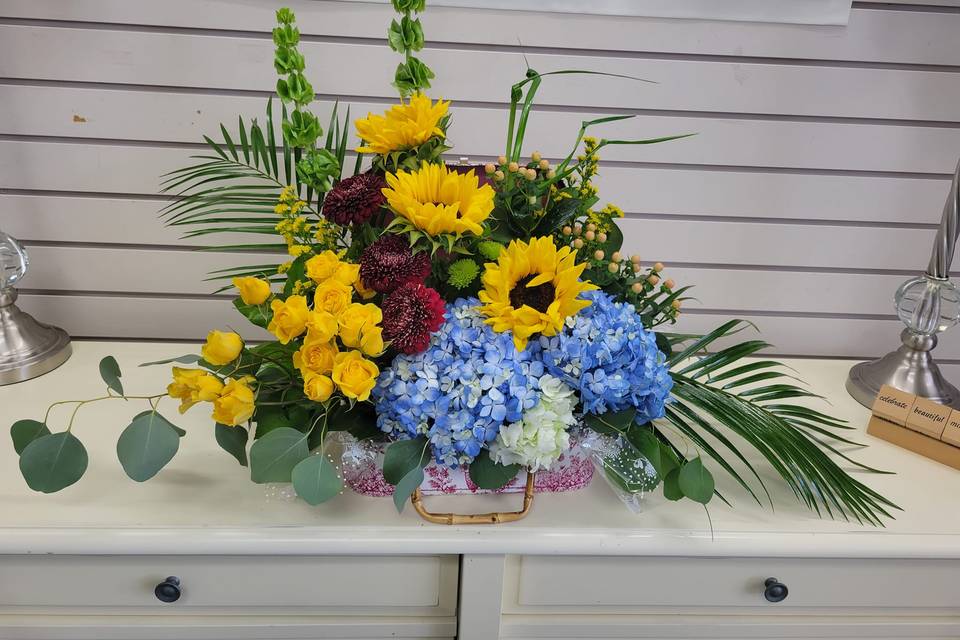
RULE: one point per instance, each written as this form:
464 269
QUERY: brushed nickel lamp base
910 368
27 348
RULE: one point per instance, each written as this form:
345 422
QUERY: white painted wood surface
813 187
203 503
80 564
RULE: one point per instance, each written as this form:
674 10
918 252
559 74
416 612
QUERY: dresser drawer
417 584
621 584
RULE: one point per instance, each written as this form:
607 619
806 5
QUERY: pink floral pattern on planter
363 462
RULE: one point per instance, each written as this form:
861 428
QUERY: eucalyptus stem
80 403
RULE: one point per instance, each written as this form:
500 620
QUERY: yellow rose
321 268
354 375
332 296
289 318
191 386
347 273
315 357
355 320
328 265
252 290
321 326
235 404
222 347
371 341
361 288
317 387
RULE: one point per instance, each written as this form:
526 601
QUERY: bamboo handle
496 517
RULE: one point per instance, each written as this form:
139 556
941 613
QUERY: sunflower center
539 297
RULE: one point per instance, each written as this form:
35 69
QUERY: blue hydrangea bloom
459 392
605 353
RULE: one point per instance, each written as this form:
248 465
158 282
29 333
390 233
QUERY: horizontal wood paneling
812 189
481 131
872 35
244 63
113 168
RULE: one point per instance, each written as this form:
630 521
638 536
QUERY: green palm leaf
720 403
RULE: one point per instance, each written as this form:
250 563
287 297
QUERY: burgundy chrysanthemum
390 262
355 199
410 315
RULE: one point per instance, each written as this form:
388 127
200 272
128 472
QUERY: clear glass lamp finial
928 305
13 261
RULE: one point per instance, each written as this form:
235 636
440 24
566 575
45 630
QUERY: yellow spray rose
321 326
222 347
289 318
332 296
252 290
354 375
356 320
317 387
235 404
321 267
328 265
371 341
315 356
191 386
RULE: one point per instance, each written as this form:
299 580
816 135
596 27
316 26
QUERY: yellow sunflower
532 288
403 126
437 201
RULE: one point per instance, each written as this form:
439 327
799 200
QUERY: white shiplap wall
813 188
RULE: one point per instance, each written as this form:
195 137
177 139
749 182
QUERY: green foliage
110 372
273 457
147 445
258 314
403 456
316 480
406 486
360 421
488 474
53 462
190 358
695 481
406 35
233 440
23 432
612 422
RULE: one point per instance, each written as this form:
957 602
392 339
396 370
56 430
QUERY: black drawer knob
168 590
775 590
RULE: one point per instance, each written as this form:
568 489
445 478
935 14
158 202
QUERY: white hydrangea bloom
538 440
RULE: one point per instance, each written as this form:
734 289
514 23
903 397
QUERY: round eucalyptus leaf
407 485
273 457
24 432
316 480
147 445
696 481
110 372
53 462
403 456
490 475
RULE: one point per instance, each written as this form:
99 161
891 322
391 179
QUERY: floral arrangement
470 315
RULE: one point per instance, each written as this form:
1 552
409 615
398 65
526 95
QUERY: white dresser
85 563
